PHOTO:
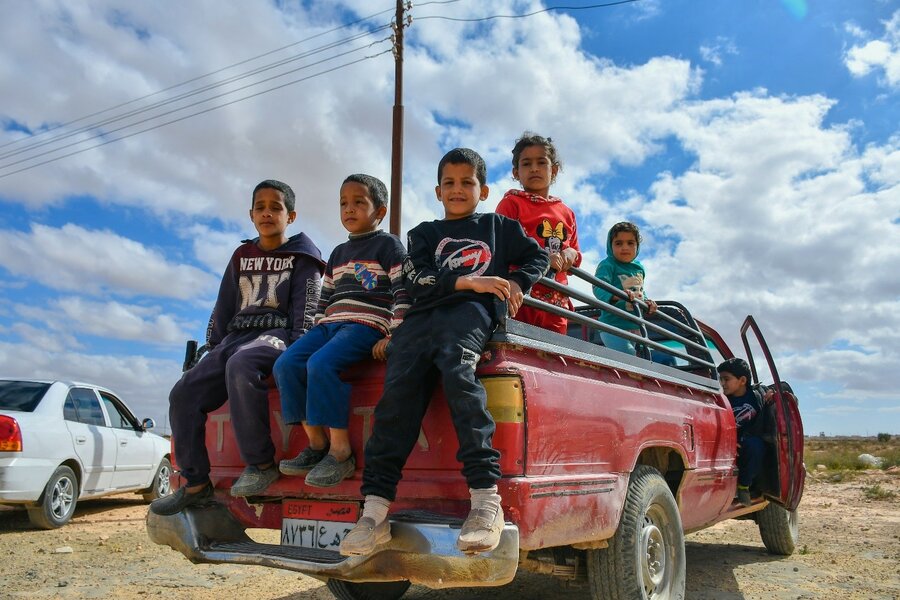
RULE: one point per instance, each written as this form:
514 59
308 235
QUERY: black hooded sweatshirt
276 289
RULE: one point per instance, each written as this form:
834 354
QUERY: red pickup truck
607 460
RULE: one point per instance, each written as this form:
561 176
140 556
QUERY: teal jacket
625 276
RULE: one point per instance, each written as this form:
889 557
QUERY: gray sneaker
362 539
330 471
304 462
480 531
254 481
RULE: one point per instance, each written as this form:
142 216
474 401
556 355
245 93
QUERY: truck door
788 426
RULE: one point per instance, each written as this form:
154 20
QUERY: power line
232 80
175 110
199 77
210 109
188 94
531 14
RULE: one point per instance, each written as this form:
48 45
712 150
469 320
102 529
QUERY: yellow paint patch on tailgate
505 399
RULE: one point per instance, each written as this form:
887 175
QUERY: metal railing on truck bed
678 345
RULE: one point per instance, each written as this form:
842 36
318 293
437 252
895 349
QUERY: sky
756 143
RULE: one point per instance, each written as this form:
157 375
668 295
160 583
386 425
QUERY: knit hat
737 367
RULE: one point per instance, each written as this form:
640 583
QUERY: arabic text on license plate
315 524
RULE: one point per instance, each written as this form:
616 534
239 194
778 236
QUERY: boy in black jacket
267 299
747 404
457 271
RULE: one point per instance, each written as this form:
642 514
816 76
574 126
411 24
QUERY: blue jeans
308 373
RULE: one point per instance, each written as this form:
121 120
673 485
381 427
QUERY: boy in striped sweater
362 301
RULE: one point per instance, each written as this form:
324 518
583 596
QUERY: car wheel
779 529
57 504
379 590
645 559
161 483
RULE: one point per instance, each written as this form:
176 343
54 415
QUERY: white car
62 441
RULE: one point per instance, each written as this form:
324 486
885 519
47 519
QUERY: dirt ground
849 549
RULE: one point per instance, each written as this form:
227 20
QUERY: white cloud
49 340
855 30
112 320
775 212
142 382
713 52
881 55
770 220
97 262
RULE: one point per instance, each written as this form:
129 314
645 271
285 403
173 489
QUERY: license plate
317 524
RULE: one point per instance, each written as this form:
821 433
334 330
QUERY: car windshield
23 396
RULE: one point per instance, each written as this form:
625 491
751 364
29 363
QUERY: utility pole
397 137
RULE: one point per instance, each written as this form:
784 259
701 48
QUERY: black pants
235 370
446 341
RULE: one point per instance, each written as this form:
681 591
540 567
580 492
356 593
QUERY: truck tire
57 503
779 529
645 558
381 590
161 485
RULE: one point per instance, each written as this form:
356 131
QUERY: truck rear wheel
779 529
381 590
645 558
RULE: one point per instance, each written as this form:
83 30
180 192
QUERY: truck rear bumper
423 553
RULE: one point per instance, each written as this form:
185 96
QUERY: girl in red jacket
535 163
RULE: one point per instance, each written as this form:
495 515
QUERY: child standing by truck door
734 375
457 272
622 269
535 163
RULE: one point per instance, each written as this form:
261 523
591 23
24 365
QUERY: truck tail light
10 435
505 398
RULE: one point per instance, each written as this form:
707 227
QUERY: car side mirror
148 424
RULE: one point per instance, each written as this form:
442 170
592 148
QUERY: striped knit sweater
363 282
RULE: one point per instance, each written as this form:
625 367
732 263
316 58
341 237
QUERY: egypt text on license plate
317 524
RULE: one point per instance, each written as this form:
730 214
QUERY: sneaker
362 539
480 531
743 496
254 481
330 471
181 499
303 462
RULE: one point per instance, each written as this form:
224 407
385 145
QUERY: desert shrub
876 492
884 437
840 454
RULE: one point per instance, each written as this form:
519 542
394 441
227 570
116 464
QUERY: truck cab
608 459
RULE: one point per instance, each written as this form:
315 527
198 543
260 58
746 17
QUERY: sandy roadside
849 550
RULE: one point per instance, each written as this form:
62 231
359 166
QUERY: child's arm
394 268
571 255
305 282
604 272
326 291
523 251
225 307
401 303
